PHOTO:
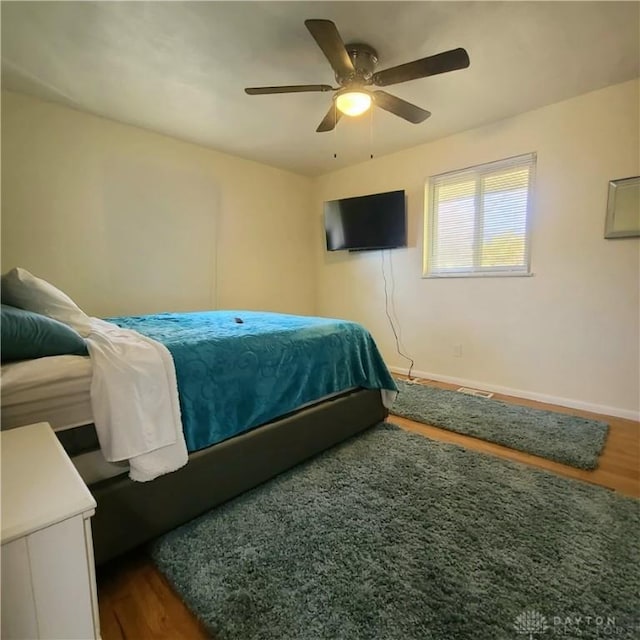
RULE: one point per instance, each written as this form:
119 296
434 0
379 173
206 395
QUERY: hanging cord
392 293
371 132
335 124
386 309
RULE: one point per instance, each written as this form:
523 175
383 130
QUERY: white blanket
134 398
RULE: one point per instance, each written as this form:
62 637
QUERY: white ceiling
180 67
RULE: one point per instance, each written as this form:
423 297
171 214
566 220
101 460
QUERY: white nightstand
48 574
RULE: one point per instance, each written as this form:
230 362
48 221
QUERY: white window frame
477 171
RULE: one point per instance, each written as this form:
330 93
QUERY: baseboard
528 395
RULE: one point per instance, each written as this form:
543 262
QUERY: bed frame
131 513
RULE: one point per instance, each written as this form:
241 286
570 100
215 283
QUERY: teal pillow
27 335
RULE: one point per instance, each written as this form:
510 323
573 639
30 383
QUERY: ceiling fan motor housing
364 59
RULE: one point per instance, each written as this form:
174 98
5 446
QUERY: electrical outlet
457 351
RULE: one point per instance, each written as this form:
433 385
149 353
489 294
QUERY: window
477 220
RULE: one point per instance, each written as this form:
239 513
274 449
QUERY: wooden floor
136 601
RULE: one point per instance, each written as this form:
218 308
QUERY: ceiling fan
354 64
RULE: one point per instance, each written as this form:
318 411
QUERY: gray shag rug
392 536
571 440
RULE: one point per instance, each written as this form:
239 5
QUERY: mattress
53 390
57 390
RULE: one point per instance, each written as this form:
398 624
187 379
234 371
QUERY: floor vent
476 392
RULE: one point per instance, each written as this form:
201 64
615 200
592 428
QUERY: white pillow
22 289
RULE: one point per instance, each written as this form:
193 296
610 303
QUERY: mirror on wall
623 208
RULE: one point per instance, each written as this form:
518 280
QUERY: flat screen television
376 221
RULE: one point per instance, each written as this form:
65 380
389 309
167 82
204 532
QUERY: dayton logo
530 623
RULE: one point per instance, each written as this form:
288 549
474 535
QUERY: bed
258 394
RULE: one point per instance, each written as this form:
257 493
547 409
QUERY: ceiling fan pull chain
335 119
371 134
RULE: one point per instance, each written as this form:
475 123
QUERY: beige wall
127 221
570 333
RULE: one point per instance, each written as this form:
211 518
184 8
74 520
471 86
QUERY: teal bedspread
233 376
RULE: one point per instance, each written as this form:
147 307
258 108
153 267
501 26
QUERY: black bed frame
131 513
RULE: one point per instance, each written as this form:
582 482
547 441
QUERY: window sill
495 274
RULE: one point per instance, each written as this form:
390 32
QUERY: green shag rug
571 440
392 536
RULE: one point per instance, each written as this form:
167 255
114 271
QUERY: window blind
477 219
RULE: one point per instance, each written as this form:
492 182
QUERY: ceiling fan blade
330 120
326 35
399 107
295 88
430 66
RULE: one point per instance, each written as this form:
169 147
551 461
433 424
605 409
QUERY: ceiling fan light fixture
353 103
